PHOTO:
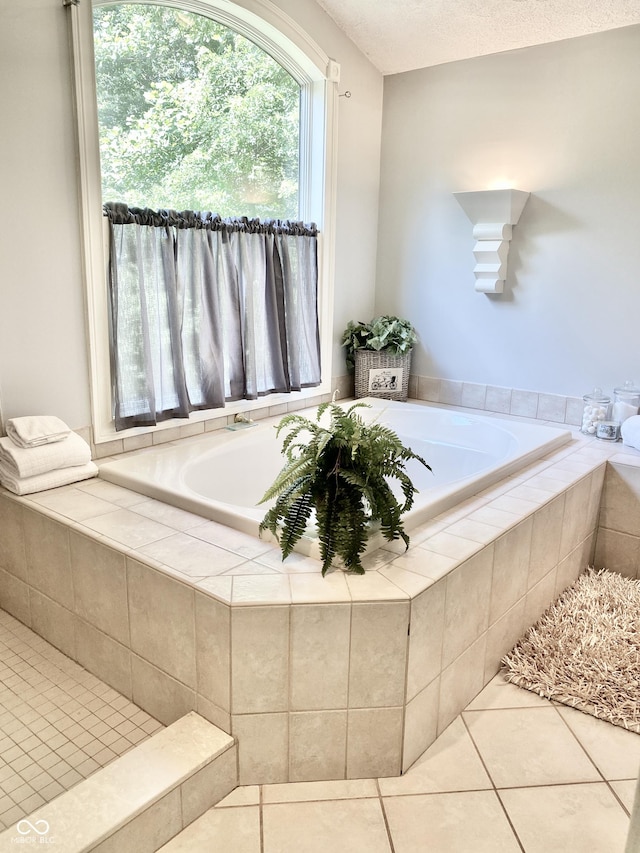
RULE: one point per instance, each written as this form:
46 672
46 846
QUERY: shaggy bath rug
585 649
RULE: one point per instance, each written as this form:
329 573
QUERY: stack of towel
41 452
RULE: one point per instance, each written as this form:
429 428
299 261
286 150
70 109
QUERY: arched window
193 115
283 170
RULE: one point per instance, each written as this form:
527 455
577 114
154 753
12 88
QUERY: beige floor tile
469 822
243 795
529 746
583 818
300 792
626 792
450 764
499 693
218 830
614 750
339 826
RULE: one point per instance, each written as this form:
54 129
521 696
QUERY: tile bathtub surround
513 773
58 723
273 653
506 401
618 540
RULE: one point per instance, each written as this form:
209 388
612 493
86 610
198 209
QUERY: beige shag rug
585 649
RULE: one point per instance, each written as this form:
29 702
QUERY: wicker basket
379 374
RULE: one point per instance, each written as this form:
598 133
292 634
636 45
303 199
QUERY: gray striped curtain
205 310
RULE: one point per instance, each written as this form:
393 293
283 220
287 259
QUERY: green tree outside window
193 116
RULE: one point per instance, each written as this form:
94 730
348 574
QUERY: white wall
43 364
563 122
43 361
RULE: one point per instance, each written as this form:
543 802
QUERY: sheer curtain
205 310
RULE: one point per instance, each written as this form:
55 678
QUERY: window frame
288 44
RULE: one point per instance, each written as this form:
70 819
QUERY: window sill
106 441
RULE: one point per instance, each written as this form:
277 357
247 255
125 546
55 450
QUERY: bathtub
222 476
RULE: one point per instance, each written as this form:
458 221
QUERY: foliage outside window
193 115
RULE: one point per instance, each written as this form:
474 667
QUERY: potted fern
380 354
341 471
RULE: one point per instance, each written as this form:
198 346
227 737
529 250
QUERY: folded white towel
50 480
630 431
31 461
33 430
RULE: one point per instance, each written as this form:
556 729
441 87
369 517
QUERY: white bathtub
223 475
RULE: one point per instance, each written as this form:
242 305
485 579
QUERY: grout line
495 790
582 747
507 816
261 806
384 816
475 746
572 784
615 794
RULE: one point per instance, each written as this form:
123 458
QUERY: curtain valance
205 310
121 214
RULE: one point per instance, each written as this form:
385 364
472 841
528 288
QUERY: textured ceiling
400 35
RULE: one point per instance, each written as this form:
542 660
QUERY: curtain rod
70 2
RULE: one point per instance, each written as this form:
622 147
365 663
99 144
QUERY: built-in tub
223 475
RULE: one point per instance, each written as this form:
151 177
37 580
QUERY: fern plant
342 472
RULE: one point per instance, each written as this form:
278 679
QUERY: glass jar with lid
626 401
596 409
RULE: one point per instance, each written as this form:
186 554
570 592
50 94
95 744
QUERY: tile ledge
167 759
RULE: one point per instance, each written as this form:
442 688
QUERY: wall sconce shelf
493 214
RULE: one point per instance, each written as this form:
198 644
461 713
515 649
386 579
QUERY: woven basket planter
379 374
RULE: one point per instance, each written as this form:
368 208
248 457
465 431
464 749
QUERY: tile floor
58 723
513 773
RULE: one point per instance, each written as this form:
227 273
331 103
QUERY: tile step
218 829
140 800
